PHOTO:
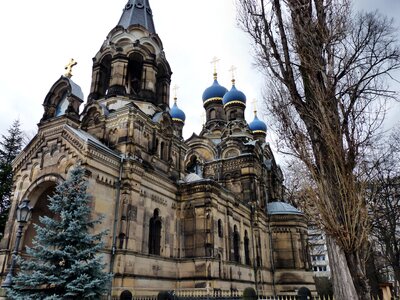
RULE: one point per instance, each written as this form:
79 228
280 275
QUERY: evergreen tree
10 146
63 261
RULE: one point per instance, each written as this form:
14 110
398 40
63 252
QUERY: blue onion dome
258 126
234 96
177 114
215 92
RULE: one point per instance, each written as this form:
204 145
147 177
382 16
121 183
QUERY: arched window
212 114
232 115
163 151
162 86
220 229
121 238
155 148
134 73
194 166
104 76
62 105
126 295
41 209
236 245
246 248
155 234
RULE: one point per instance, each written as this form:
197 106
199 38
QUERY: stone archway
304 293
126 295
38 194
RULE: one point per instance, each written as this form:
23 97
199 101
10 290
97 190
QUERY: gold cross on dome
214 61
254 102
68 67
233 69
176 88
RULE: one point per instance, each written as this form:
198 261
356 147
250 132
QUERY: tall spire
137 12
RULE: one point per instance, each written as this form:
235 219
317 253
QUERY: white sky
39 37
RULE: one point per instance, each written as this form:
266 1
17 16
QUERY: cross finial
254 102
214 61
68 67
233 69
176 88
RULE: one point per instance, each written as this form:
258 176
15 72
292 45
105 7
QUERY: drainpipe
116 217
271 251
255 261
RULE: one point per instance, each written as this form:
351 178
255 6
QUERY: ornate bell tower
131 63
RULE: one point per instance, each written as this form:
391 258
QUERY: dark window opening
104 76
220 229
121 238
162 86
194 166
134 74
126 295
212 114
155 234
232 115
236 245
246 248
163 151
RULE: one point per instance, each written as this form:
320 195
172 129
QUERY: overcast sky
39 37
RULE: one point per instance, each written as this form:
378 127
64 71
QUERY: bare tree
326 70
383 194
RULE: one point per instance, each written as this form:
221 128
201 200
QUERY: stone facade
181 214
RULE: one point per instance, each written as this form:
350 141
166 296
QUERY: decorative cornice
259 131
178 120
33 146
215 99
73 140
103 158
235 102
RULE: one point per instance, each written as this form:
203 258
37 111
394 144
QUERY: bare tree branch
327 72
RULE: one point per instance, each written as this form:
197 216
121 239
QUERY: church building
202 214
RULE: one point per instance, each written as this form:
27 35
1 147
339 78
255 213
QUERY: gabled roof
91 140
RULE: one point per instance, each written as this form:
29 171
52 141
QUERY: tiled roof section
76 90
89 139
282 208
137 12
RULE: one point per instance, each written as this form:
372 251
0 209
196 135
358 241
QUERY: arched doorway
125 295
38 197
304 293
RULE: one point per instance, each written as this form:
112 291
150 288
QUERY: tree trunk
360 280
343 287
397 279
